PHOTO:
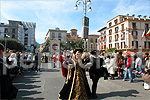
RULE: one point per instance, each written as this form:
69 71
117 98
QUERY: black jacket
96 70
7 90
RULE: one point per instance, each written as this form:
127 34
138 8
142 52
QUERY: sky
49 14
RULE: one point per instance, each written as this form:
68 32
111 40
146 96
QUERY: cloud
132 7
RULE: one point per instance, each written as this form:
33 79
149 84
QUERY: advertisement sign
85 27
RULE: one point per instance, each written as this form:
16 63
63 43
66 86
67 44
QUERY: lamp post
85 24
6 36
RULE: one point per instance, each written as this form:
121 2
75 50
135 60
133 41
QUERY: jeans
129 72
138 69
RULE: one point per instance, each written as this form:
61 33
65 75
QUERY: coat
111 66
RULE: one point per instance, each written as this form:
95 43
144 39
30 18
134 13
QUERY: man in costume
62 58
96 71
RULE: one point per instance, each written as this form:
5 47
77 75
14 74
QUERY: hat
93 52
78 49
64 51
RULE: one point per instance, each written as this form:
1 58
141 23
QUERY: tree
46 46
12 44
111 49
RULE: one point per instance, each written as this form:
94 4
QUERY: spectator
111 67
138 64
128 69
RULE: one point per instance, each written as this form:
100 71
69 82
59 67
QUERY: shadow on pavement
50 70
27 90
118 93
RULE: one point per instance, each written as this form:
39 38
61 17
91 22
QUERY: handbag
146 77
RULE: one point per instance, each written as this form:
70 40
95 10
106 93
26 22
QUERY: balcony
110 40
116 39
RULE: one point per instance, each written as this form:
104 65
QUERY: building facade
21 31
92 42
56 34
3 29
124 32
102 39
73 36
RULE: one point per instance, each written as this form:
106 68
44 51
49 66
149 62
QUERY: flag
144 33
148 33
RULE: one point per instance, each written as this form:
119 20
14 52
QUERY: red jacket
64 70
129 60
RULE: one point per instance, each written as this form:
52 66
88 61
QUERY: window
110 31
136 44
73 33
53 35
116 21
6 30
134 34
146 25
122 27
145 44
91 45
13 36
91 39
59 35
134 25
13 24
149 45
104 32
96 46
121 45
132 43
13 30
96 40
116 29
124 45
110 24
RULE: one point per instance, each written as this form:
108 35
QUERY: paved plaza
45 85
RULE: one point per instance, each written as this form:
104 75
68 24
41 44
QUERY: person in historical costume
76 85
62 58
96 71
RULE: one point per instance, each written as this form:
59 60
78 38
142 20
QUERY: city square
75 49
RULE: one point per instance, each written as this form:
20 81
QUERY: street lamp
85 25
6 36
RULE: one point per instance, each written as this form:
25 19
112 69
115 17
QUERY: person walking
138 64
128 69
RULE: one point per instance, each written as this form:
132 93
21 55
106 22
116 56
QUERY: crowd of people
116 66
74 67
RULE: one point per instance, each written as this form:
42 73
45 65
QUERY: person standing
111 67
62 58
96 71
76 86
138 64
119 65
128 69
7 90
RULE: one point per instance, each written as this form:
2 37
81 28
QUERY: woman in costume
76 85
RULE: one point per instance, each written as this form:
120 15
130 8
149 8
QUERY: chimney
139 16
145 17
133 16
127 16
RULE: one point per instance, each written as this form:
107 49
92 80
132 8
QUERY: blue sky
49 14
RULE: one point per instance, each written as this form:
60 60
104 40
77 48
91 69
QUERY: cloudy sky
49 14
